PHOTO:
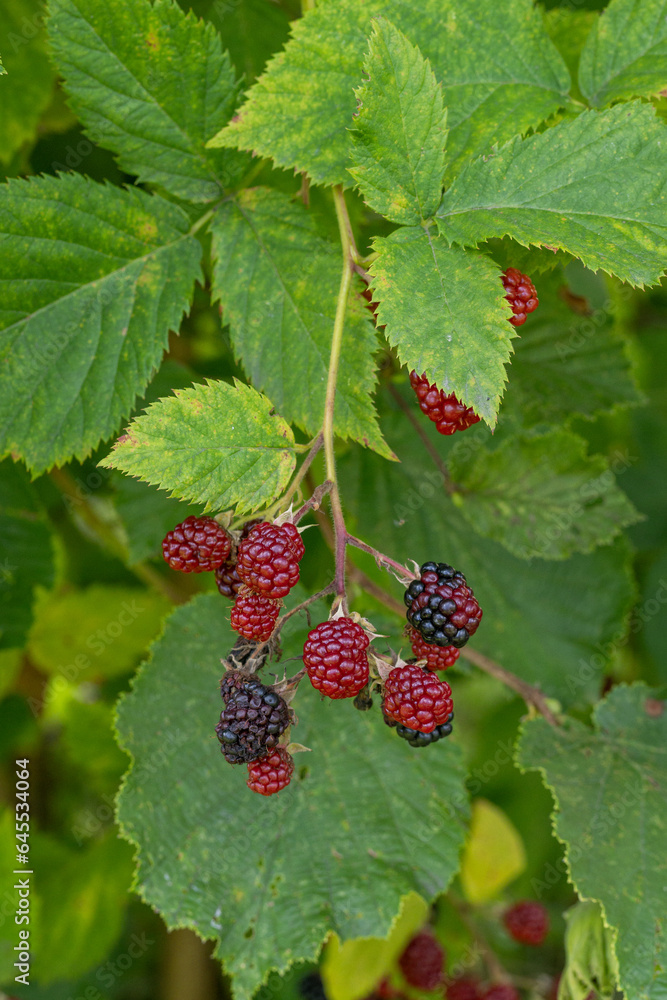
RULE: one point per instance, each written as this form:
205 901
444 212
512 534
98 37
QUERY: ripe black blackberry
441 606
253 719
416 739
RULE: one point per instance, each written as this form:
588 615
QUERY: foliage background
82 545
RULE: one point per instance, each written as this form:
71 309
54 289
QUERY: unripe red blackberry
437 657
335 657
253 719
441 606
500 991
527 922
521 295
417 698
423 961
465 988
253 615
446 412
267 560
226 577
197 545
272 773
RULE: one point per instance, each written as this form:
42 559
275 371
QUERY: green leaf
150 83
590 962
26 553
593 186
568 364
83 897
551 623
568 29
626 52
609 786
350 971
278 281
540 495
445 312
92 279
299 110
98 632
251 31
26 92
494 854
270 878
400 133
215 444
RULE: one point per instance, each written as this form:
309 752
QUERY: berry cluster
521 295
446 410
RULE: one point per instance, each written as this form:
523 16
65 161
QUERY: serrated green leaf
98 632
92 278
568 29
299 110
150 83
216 444
551 623
541 495
271 877
625 54
400 130
278 281
609 786
593 186
26 553
30 77
445 312
567 364
252 31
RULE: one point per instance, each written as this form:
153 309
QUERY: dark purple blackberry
441 606
417 739
253 719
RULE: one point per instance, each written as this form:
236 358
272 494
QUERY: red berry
437 657
500 991
527 922
422 962
270 774
197 545
335 657
268 559
447 412
521 295
253 615
292 533
417 698
465 988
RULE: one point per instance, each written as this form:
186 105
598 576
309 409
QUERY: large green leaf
625 54
610 791
152 84
445 312
215 444
28 77
300 108
400 130
551 623
593 186
567 364
540 495
251 31
278 281
26 553
92 278
270 878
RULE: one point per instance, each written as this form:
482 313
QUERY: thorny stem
428 444
347 243
313 502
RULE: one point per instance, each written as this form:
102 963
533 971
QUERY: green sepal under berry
215 444
608 784
444 311
219 845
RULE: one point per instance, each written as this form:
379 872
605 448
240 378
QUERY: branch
426 441
406 576
313 503
532 696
